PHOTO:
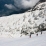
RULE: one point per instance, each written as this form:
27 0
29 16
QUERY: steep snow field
25 41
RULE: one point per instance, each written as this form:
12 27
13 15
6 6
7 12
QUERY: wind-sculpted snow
22 24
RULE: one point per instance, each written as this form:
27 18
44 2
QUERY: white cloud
10 6
22 4
25 3
29 3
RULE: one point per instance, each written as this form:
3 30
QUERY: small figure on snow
30 34
36 34
41 32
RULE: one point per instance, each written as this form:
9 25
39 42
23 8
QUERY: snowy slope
25 41
14 25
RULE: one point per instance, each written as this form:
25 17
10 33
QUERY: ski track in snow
24 41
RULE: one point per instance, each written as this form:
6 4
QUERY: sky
21 4
8 7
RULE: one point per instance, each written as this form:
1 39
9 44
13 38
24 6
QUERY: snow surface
39 40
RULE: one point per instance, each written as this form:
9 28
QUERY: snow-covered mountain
19 24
